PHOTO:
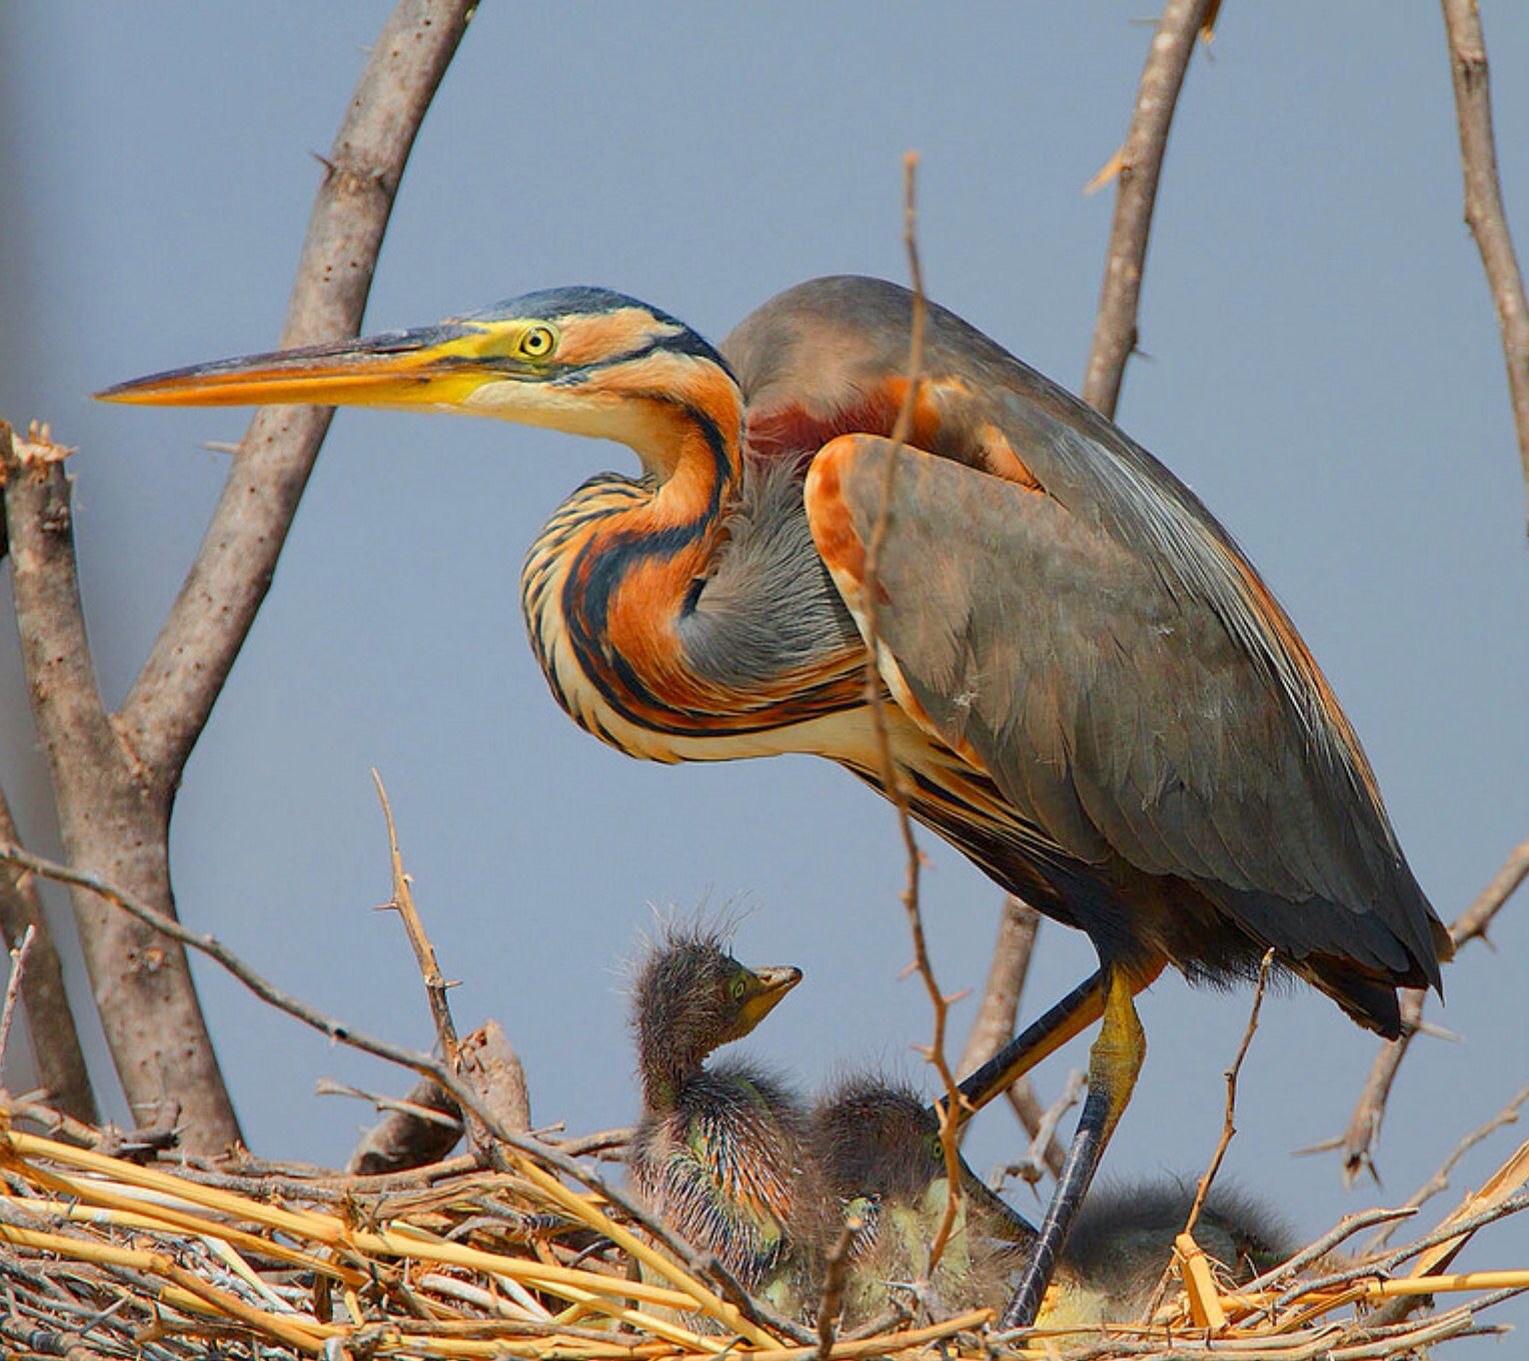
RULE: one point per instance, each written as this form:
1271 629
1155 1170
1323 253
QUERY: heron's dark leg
1113 1064
1043 1036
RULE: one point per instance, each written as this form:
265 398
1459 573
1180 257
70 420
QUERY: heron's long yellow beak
434 366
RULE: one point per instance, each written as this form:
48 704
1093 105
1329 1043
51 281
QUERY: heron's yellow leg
1113 1063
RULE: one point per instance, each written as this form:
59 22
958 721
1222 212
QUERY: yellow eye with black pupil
537 343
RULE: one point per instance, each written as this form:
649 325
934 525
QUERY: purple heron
1094 696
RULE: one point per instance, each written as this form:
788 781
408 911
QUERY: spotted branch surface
1484 211
1140 162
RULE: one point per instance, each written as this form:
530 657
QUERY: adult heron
1094 696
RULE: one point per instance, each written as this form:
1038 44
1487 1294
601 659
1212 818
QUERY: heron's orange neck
608 578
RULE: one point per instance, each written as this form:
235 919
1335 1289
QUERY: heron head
588 361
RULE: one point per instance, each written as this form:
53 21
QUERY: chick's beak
773 984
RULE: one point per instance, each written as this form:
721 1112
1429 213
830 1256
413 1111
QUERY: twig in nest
1228 1128
1358 1140
891 778
1228 1125
835 1275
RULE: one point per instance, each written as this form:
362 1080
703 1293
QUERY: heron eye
538 342
739 987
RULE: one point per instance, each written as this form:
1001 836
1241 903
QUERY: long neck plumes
688 605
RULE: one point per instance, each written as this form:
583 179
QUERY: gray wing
1118 706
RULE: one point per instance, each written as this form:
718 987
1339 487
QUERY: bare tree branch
1140 161
55 1042
950 1108
1483 204
174 693
998 1012
1363 1130
997 1015
111 819
1439 1181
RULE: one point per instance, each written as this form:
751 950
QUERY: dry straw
108 1258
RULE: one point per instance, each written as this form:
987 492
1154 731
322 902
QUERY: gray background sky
1324 371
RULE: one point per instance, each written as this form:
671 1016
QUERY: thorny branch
1484 210
891 778
1228 1122
1363 1129
1140 161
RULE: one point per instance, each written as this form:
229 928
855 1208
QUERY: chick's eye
537 343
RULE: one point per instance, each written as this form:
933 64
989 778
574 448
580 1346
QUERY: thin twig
1034 1164
1228 1122
402 902
1439 1181
329 1087
1140 162
891 777
1380 1266
835 1275
1345 1229
1484 210
13 990
1228 1127
1358 1140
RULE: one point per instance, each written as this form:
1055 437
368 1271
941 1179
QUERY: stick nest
107 1257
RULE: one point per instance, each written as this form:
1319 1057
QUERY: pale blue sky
1324 371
